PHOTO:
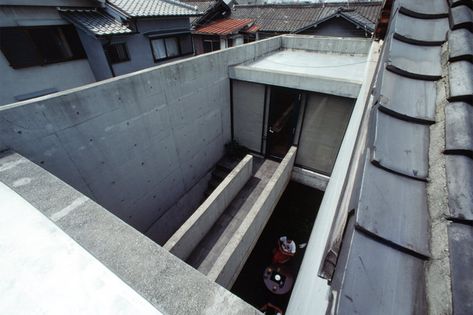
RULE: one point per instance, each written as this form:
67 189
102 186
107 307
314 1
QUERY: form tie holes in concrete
19 132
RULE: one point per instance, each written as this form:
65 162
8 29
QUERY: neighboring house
43 53
328 19
224 33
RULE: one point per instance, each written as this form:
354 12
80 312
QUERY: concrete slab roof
337 74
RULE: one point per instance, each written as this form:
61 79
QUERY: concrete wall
248 112
136 143
230 262
169 284
188 236
354 46
170 221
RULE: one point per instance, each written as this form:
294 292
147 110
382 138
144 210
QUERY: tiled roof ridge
313 5
179 3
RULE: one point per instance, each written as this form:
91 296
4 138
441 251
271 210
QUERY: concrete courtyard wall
136 143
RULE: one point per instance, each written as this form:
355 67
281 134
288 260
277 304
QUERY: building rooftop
95 22
225 27
152 8
294 18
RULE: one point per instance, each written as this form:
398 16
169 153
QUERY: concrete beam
230 262
309 178
314 83
188 236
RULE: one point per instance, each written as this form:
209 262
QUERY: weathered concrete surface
322 72
165 281
337 45
228 265
136 143
45 271
309 178
168 223
186 238
212 245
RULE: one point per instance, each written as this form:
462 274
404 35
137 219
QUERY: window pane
117 53
186 45
51 44
159 50
73 40
172 46
18 48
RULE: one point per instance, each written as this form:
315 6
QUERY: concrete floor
294 217
209 249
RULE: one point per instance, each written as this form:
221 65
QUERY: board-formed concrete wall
248 112
232 259
136 143
188 236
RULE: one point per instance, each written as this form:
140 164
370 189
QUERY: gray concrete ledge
169 284
230 262
338 45
314 83
188 236
310 178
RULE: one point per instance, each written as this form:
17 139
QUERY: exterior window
171 47
211 45
27 47
117 53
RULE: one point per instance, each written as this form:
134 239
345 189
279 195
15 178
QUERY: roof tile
460 239
459 128
414 61
460 82
148 8
459 170
460 45
396 213
415 103
379 279
224 26
418 8
461 17
420 31
96 22
400 146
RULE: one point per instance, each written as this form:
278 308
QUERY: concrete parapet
233 257
337 45
188 236
169 284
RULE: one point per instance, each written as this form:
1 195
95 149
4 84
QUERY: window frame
179 46
42 59
125 48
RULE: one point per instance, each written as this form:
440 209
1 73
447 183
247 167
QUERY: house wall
93 47
38 80
135 144
139 47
